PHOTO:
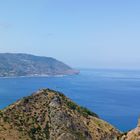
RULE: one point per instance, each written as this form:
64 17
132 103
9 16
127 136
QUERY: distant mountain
12 64
49 115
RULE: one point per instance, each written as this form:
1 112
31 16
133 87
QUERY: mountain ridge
50 115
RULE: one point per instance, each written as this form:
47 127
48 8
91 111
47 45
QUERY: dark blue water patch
112 94
122 121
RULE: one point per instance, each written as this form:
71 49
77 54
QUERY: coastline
37 76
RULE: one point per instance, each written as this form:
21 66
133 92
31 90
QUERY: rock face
49 115
30 65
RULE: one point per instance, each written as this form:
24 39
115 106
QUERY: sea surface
113 94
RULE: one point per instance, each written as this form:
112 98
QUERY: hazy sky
82 33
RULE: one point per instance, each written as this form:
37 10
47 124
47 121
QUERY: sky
81 33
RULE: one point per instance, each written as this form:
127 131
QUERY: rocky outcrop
49 115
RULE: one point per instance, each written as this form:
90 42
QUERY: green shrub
71 105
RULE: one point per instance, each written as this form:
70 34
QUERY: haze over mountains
18 64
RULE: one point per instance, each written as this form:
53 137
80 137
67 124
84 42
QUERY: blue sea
113 94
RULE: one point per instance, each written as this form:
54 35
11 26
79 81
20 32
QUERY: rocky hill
29 65
49 115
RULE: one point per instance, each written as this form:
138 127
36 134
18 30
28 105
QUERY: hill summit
49 115
18 64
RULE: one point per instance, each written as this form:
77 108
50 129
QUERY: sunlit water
113 94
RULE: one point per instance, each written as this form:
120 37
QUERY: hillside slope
49 115
29 65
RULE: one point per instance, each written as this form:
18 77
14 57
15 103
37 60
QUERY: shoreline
36 76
